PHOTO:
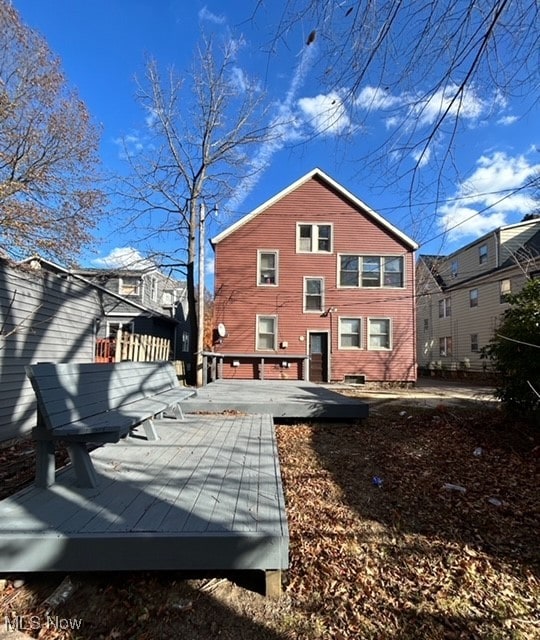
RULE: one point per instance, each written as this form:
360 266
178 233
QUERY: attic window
482 254
129 286
314 238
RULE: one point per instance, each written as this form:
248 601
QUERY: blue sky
103 45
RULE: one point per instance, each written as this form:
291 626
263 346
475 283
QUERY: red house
315 285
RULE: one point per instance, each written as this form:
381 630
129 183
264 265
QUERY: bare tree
427 66
48 149
200 128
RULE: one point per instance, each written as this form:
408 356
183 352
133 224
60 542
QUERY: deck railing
132 346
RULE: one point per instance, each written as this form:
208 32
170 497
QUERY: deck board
290 399
207 495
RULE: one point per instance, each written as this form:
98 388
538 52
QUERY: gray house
160 297
49 313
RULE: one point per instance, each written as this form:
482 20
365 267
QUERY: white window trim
257 318
446 307
153 288
315 224
474 306
276 253
368 334
370 255
122 326
319 311
360 347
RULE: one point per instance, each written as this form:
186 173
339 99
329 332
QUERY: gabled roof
37 261
323 177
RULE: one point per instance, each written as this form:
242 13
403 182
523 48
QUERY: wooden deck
279 398
207 495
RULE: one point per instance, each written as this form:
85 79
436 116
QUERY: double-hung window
379 334
445 346
473 297
482 254
314 238
267 268
266 333
313 294
371 271
350 333
505 287
445 308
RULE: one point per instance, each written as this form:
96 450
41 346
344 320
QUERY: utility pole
200 301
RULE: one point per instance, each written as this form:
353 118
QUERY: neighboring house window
168 298
505 287
445 346
185 341
379 333
153 289
266 333
426 324
313 294
314 238
350 333
474 343
129 286
268 267
473 297
371 271
114 327
483 254
445 308
454 268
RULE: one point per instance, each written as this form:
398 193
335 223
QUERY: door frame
328 351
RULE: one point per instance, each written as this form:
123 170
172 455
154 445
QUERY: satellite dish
221 330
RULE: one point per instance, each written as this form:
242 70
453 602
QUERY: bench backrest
69 392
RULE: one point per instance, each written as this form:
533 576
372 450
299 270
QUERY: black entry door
318 357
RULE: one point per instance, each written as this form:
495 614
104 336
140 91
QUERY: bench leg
150 430
272 581
82 464
45 463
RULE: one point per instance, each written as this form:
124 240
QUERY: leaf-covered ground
398 558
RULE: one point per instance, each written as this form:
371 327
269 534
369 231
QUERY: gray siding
43 317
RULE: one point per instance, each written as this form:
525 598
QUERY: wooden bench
97 403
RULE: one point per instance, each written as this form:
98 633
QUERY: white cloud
129 145
507 120
207 16
377 98
326 114
123 258
285 126
210 265
487 198
448 101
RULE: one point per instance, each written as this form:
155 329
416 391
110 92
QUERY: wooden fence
132 346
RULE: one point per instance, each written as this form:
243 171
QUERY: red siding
239 299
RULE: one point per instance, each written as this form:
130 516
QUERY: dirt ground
418 523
